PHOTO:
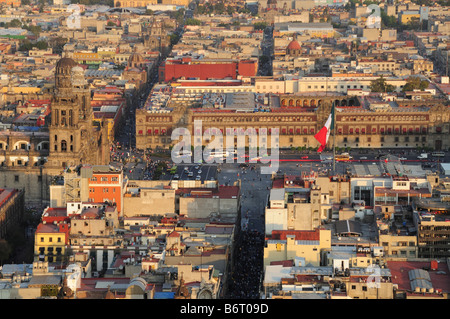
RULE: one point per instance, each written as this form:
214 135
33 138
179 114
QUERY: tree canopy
415 83
380 85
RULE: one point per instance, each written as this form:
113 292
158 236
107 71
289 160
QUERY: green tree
380 85
15 23
174 38
25 45
57 44
219 8
388 21
415 83
41 45
259 25
35 29
192 21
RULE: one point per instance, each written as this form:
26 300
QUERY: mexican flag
324 133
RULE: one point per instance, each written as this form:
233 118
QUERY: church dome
66 63
294 45
135 60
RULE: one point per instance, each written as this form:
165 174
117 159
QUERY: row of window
104 179
105 190
50 239
396 139
25 146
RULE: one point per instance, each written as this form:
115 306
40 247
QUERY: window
364 288
42 239
104 179
16 178
63 146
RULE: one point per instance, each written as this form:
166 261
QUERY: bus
343 157
219 154
182 153
438 154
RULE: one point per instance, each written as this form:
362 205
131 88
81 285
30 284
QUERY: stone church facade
31 160
156 38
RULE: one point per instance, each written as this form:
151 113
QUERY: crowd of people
247 266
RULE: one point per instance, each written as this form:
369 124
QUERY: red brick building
203 69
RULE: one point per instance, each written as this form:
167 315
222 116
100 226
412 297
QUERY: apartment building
293 206
50 241
433 233
294 244
148 198
89 183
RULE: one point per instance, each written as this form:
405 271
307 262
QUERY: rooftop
400 270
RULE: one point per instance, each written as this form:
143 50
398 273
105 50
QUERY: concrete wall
150 202
219 261
203 207
276 219
20 293
36 190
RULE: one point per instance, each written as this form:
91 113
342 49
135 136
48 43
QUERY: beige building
201 203
93 227
398 246
379 65
362 285
293 208
290 245
336 188
144 198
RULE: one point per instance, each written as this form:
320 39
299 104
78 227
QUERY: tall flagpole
333 109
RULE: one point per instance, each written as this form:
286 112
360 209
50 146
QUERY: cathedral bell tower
72 137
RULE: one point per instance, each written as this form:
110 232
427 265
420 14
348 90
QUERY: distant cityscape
224 150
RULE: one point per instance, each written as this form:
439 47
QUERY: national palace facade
360 123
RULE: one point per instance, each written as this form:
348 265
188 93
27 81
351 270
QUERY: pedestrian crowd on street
248 265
